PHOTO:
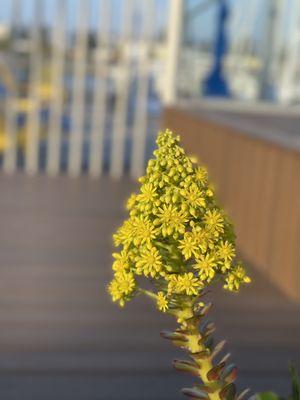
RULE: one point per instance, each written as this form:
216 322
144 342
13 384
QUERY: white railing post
173 49
101 76
33 99
10 123
57 88
266 81
122 98
140 125
78 95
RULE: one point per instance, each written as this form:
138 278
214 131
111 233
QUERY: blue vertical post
215 84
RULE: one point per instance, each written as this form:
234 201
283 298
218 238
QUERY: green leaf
266 396
295 383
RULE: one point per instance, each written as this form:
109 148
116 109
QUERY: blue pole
215 84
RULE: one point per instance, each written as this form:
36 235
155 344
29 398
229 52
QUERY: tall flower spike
177 236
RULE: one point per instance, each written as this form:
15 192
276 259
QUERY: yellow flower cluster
176 234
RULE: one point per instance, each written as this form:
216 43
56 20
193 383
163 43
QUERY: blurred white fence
83 82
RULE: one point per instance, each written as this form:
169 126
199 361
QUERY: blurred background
84 87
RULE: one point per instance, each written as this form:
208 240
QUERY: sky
205 28
202 28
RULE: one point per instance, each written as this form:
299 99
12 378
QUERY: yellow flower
175 234
193 196
206 264
131 201
235 278
126 282
201 237
171 219
149 261
162 303
125 234
113 289
121 286
148 193
188 283
121 262
172 283
209 192
144 231
214 221
188 245
226 251
201 175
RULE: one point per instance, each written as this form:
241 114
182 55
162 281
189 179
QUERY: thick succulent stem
195 336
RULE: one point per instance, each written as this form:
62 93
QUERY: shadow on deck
61 338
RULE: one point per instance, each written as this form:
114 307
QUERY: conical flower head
176 234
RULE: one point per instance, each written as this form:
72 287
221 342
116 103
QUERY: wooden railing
259 183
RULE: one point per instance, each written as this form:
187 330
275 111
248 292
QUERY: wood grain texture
257 180
62 338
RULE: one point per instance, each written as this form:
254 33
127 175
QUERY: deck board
61 337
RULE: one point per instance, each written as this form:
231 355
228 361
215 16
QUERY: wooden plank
132 386
62 336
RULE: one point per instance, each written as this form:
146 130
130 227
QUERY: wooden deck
61 338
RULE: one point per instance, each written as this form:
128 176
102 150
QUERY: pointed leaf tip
243 394
173 336
229 373
228 392
214 374
186 366
195 393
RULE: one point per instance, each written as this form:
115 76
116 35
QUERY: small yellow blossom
172 283
226 251
126 282
201 175
193 196
206 265
162 302
114 291
121 286
170 219
214 221
209 192
201 237
121 262
144 231
149 261
131 201
188 283
148 193
125 234
188 245
235 278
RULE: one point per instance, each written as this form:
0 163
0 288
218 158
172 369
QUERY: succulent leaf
186 366
228 392
229 373
195 393
215 373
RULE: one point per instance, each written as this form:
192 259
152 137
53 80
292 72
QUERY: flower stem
195 336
